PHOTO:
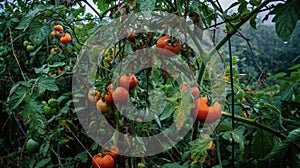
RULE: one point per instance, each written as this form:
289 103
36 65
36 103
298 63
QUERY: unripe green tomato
26 43
32 146
53 103
47 110
30 48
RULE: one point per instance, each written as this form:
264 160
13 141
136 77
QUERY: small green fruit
30 48
53 103
26 43
32 146
47 110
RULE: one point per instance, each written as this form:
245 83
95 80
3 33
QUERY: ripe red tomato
168 46
106 161
108 96
120 95
128 82
205 113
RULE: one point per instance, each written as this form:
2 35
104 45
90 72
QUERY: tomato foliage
39 124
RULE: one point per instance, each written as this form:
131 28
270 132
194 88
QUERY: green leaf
286 17
43 163
262 143
279 75
146 5
38 32
16 96
293 137
172 165
26 21
42 70
82 156
295 67
47 83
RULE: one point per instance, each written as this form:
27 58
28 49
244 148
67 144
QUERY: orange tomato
112 151
194 89
66 38
205 113
102 106
168 46
55 32
106 161
120 95
58 28
93 95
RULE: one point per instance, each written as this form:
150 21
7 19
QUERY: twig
13 50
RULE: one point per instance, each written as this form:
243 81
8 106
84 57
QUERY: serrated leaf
146 5
47 83
43 163
293 137
16 96
286 17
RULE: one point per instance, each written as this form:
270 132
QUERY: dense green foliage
39 125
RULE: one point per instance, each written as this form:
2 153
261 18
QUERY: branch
256 124
242 22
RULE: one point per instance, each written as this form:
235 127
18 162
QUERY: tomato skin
32 146
128 82
102 106
57 33
106 161
113 151
66 38
120 95
205 113
166 47
94 95
194 90
108 96
58 28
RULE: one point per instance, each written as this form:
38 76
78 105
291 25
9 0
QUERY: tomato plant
257 126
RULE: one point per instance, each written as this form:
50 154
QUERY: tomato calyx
173 42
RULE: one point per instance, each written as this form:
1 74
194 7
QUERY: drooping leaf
293 137
262 143
286 17
16 96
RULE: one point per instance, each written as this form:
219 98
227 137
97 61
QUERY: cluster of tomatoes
114 95
58 32
106 159
203 111
169 46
